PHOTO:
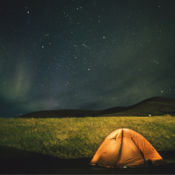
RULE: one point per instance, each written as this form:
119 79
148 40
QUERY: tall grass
80 137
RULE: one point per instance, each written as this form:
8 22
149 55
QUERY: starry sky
84 54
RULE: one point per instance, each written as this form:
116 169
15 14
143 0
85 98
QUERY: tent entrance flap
130 155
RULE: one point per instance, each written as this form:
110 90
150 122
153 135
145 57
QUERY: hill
156 106
59 114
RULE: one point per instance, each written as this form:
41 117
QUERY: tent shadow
168 155
16 161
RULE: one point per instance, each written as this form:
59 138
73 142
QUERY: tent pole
120 150
140 152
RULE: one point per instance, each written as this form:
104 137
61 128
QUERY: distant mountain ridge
155 106
152 106
59 114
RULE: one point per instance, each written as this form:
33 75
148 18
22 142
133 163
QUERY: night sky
84 54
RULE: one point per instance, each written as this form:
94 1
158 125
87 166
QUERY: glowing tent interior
126 148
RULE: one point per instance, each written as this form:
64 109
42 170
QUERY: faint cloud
17 85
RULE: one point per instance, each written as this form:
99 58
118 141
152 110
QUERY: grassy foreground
72 138
66 145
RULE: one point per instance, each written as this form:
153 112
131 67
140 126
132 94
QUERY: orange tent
125 148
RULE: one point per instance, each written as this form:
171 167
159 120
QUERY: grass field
78 138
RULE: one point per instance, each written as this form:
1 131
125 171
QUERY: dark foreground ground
15 161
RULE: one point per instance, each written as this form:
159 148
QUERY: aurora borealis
84 54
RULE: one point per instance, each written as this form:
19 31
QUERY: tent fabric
125 147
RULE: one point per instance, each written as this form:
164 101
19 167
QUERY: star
86 45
